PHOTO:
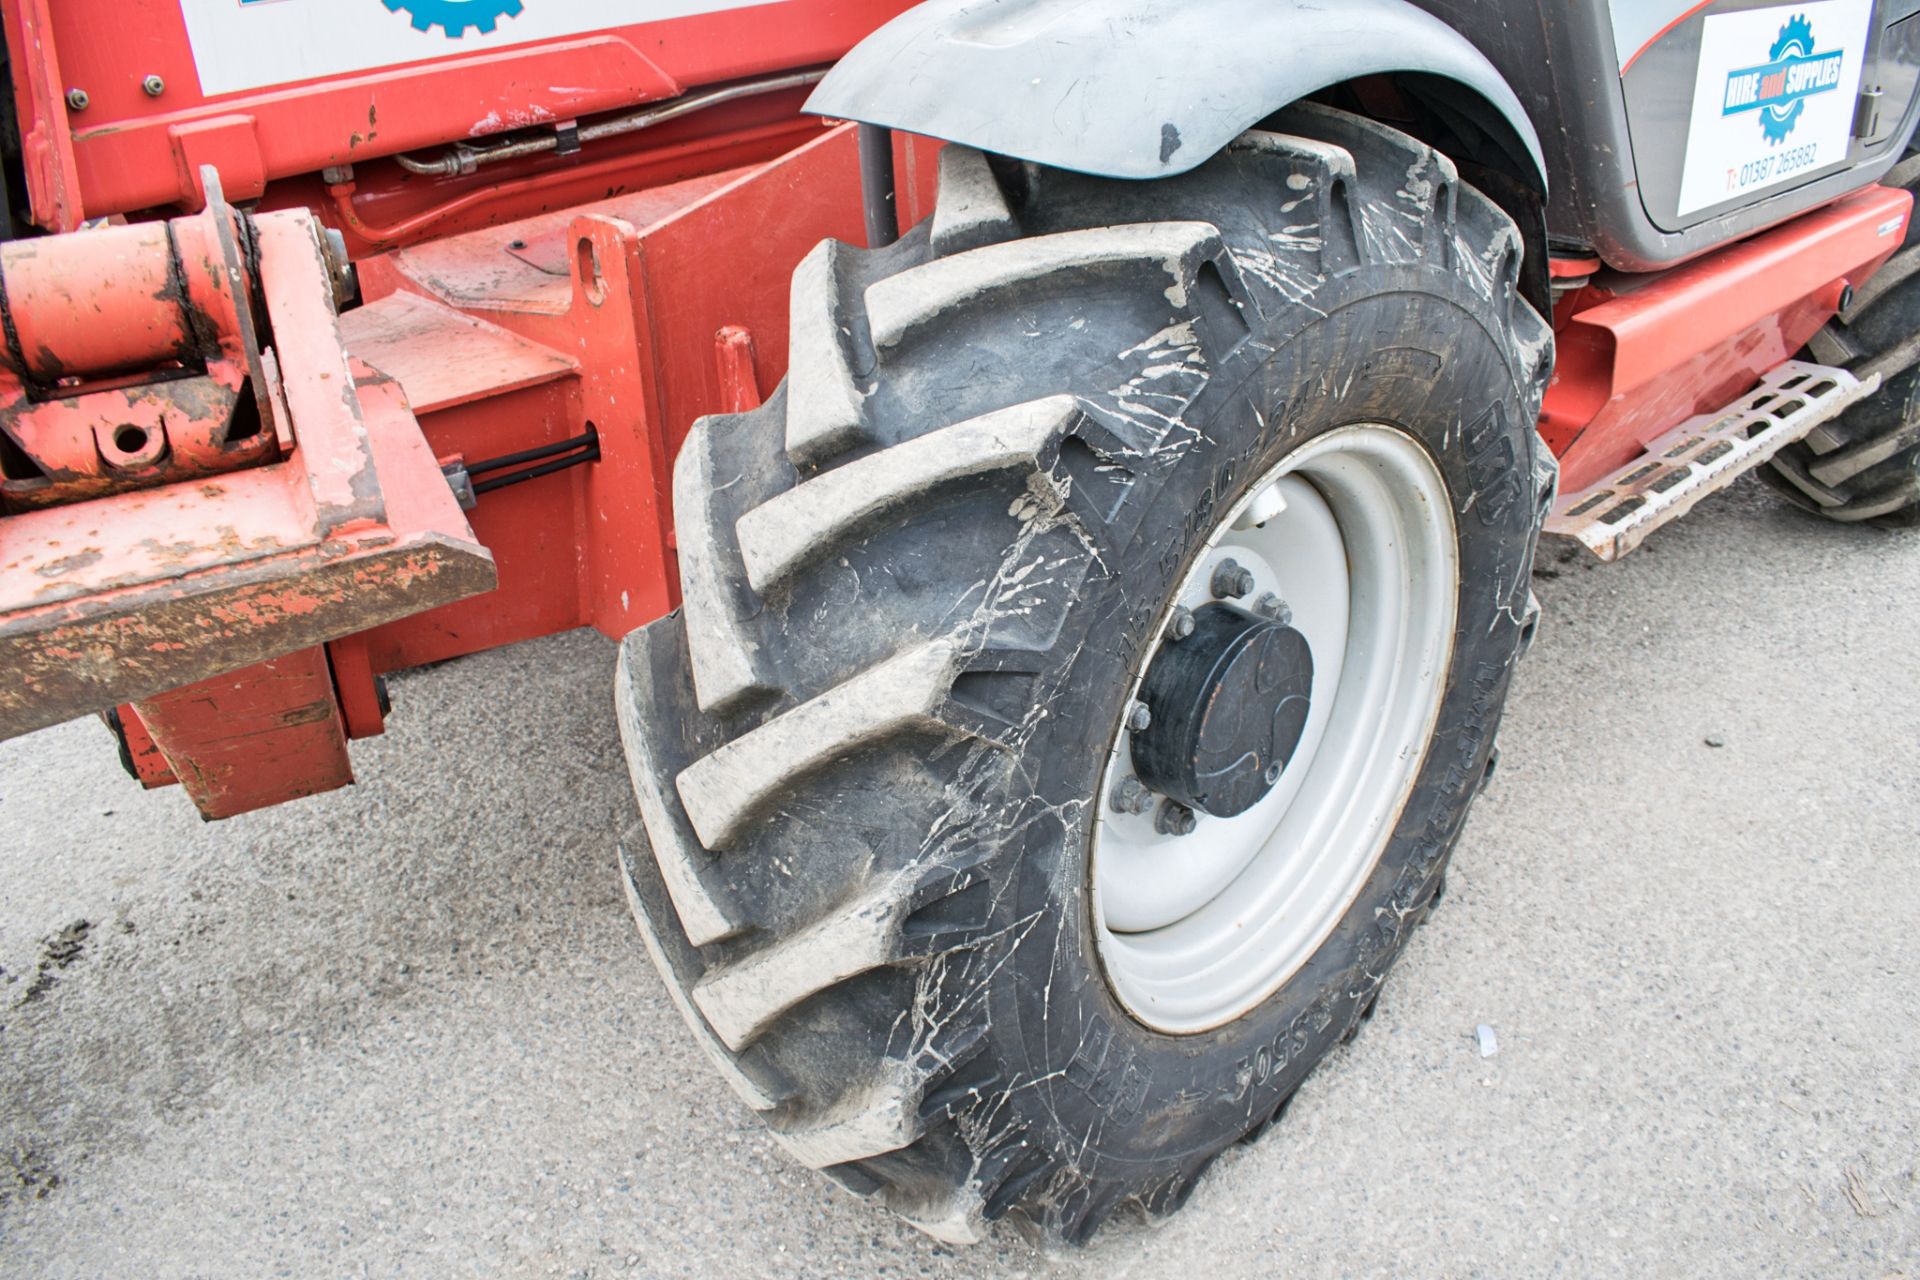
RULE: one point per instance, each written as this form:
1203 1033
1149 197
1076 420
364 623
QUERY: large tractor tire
1088 658
1865 464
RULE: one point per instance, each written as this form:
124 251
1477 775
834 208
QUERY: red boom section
114 118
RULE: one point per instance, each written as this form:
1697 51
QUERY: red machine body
1636 354
632 316
227 510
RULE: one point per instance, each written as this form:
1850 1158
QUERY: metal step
1702 455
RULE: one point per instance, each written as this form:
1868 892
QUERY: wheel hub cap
1229 703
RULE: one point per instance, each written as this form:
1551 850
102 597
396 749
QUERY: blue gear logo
1777 91
455 17
1796 41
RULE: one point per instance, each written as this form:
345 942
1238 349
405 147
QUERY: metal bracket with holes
1703 455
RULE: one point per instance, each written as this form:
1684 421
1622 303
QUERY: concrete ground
407 1029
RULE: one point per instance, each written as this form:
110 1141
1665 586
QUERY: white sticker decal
1773 99
252 44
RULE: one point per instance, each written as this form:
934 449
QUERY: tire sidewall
1398 346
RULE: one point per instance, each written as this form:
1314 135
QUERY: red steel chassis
226 508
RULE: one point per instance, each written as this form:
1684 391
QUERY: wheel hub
1313 631
1229 702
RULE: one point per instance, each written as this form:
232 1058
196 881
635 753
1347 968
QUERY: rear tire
920 584
1864 466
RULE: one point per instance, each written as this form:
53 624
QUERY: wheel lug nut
1130 795
1175 819
1181 625
1231 580
1273 608
1139 718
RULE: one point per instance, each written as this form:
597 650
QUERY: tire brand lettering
1110 1074
1492 471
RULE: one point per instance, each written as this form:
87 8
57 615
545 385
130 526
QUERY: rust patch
177 553
69 564
183 632
311 713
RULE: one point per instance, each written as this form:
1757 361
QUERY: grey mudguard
1135 88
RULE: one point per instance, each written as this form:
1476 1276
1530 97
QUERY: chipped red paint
124 365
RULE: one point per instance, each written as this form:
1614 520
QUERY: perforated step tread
1703 455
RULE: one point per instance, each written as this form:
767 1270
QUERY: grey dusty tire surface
1865 464
918 583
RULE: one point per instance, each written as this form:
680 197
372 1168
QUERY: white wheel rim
1193 931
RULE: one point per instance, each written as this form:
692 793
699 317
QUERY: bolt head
1175 819
78 99
1231 580
339 264
1181 624
1271 607
1139 718
1130 795
154 86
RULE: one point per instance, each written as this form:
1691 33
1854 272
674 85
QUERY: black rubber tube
877 191
532 455
534 473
